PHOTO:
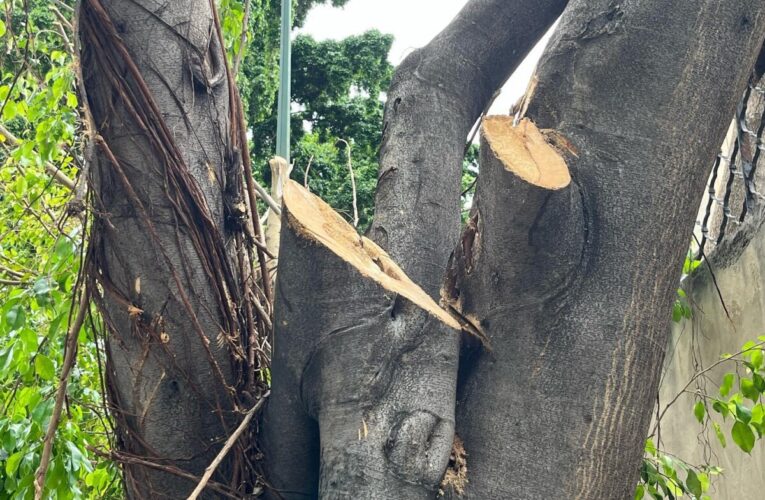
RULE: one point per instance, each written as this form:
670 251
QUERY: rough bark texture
363 399
437 94
157 86
574 287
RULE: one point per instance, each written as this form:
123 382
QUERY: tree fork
364 368
437 94
573 287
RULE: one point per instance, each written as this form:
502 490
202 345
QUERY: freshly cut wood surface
313 219
525 152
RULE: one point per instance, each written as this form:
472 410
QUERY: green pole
285 63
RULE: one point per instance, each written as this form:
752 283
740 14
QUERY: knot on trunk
418 446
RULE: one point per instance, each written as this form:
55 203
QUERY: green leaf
15 317
12 465
44 367
677 311
700 410
756 358
704 480
650 447
719 434
749 390
743 436
28 339
2 28
758 414
721 408
6 358
759 382
743 413
727 384
693 484
639 492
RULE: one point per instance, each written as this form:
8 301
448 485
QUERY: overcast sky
413 23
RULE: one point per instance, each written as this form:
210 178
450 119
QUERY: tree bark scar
413 443
208 69
605 23
471 242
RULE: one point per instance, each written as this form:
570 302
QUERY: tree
561 348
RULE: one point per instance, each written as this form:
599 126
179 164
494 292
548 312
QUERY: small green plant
735 412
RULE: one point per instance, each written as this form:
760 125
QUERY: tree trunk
166 253
573 285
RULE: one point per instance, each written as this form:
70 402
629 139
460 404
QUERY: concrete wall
739 266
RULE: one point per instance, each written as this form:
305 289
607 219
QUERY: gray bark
437 94
364 377
574 288
160 248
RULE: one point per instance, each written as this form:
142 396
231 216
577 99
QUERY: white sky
413 23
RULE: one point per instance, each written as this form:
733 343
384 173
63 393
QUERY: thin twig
307 169
229 444
69 357
353 184
243 38
714 281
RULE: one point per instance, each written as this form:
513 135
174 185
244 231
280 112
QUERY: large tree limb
573 287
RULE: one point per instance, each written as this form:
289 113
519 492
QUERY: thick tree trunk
573 285
356 386
163 245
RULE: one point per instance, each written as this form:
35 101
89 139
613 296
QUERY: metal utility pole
285 63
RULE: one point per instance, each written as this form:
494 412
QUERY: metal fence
732 196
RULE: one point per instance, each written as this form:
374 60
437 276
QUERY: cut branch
435 98
364 358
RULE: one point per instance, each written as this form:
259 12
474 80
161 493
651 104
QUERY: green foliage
337 87
743 408
665 477
39 260
681 309
739 412
336 94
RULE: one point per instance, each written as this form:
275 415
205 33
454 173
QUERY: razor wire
732 196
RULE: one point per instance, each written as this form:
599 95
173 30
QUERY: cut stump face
524 150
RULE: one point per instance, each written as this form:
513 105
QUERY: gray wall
739 266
